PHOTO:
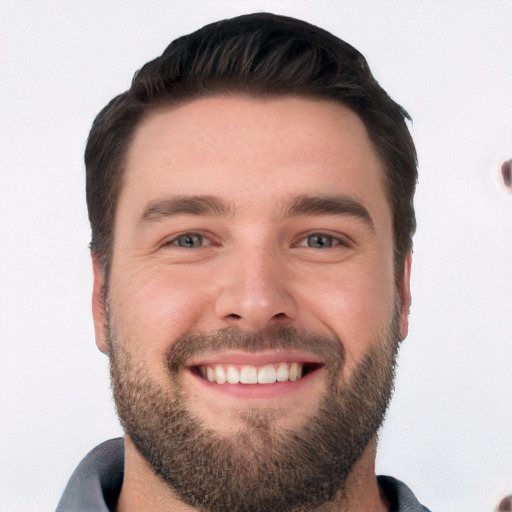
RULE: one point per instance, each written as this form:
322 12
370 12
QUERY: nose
255 292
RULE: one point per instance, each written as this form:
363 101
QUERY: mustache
329 350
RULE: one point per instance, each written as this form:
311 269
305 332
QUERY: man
251 204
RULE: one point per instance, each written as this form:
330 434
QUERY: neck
143 490
362 492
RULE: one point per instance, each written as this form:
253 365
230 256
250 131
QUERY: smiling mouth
250 374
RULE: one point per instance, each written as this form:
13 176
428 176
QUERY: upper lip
260 358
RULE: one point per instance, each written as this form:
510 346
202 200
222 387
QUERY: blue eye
318 241
189 240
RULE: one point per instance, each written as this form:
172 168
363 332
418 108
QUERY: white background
449 430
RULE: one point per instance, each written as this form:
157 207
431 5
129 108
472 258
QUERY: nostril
234 316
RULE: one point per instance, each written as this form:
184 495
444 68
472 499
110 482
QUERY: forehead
251 151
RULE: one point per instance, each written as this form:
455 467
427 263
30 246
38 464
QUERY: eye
188 241
321 241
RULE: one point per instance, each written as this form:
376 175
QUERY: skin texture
255 268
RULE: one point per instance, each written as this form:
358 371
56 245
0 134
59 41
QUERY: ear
98 303
404 289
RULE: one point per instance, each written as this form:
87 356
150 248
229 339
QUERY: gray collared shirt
96 483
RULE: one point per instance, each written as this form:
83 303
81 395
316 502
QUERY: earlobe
98 304
404 288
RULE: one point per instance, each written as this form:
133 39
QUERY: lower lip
259 391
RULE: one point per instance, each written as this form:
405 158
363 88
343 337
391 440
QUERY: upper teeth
248 374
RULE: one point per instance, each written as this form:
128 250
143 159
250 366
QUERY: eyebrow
160 209
207 205
328 205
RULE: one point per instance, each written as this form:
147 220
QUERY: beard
260 467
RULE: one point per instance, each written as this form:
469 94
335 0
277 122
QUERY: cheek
355 304
153 307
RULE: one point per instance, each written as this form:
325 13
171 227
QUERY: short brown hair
257 54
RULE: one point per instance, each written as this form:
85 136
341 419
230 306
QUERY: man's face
253 244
